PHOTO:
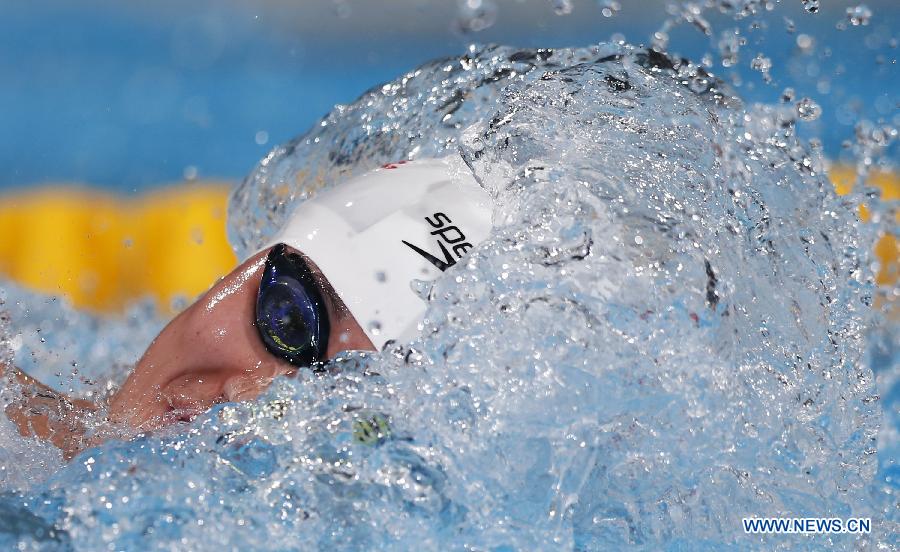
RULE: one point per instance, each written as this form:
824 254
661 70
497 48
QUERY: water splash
762 64
730 43
665 325
808 110
665 332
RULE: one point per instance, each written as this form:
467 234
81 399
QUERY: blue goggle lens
291 316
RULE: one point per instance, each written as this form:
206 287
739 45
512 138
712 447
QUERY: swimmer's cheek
134 409
245 387
195 395
183 399
191 397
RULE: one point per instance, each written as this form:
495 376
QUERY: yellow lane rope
103 252
887 249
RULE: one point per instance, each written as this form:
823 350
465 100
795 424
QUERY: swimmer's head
337 277
373 235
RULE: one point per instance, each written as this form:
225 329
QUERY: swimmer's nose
209 353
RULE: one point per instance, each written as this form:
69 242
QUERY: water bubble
261 138
190 173
812 6
808 110
859 15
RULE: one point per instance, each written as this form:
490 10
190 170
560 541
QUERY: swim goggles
291 314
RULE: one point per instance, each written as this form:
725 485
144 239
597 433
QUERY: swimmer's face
215 351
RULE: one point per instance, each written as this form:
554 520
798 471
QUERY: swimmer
336 278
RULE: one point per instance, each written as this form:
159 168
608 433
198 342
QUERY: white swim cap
371 236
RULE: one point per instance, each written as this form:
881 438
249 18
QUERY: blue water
668 329
126 96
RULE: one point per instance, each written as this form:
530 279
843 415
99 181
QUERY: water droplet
805 43
261 138
762 64
789 25
562 7
729 47
475 15
660 40
808 110
788 95
812 6
609 8
859 15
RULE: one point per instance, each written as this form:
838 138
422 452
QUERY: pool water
673 325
